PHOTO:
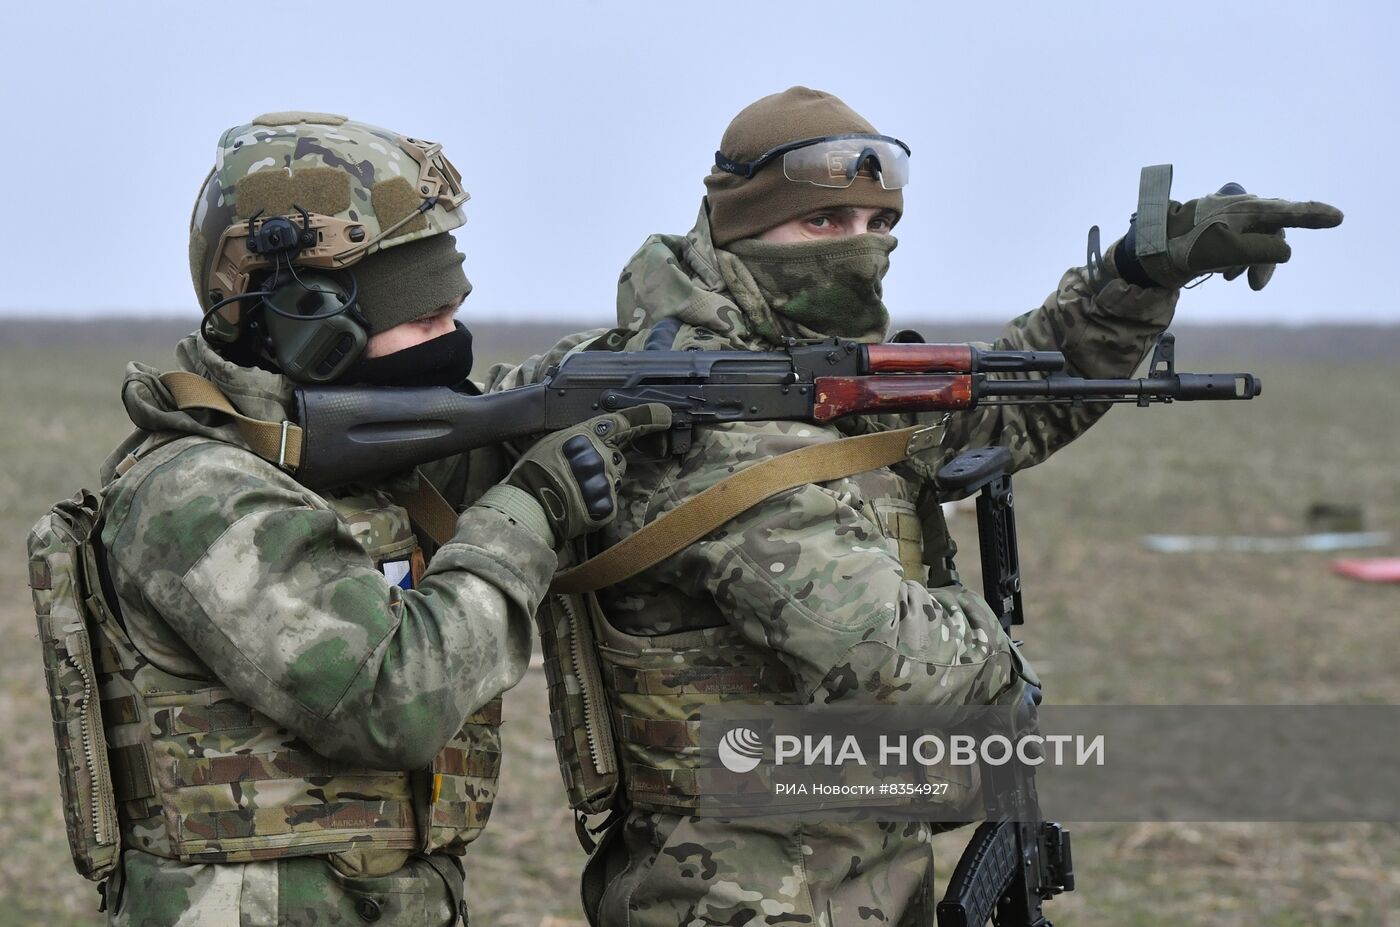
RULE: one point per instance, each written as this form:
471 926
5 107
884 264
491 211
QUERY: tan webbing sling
699 515
278 442
428 510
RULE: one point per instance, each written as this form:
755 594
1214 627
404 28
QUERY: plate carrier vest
146 757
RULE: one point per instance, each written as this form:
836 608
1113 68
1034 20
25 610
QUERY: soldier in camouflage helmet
300 690
843 592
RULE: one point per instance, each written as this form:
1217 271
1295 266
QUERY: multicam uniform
284 673
836 592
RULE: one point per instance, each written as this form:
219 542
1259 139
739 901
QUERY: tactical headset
312 326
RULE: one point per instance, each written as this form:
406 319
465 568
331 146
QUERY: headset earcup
313 350
316 351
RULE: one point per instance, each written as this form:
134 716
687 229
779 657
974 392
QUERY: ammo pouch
67 594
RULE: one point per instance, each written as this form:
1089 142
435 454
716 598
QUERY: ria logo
740 750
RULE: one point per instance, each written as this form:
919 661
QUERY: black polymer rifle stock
351 433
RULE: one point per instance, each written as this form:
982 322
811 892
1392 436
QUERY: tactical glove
1170 244
575 473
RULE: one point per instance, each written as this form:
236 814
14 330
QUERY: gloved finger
1234 272
1260 275
634 422
1234 248
1271 215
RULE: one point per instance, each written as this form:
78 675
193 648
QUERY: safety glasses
833 161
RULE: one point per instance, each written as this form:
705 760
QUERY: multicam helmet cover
352 188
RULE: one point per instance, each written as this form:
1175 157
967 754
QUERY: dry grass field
1109 623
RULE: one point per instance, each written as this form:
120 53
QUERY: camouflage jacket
228 570
678 277
828 579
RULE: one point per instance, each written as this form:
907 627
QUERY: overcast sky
582 127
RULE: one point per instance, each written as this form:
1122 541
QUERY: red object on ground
1370 569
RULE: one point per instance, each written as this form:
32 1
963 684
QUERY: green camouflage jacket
828 578
228 570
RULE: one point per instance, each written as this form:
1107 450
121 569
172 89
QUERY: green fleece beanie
409 281
744 207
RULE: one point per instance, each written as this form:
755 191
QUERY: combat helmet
311 192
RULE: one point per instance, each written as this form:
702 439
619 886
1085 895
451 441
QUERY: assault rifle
353 433
1016 860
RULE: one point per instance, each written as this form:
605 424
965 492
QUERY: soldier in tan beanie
746 201
842 593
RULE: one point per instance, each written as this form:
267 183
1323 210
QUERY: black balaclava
444 361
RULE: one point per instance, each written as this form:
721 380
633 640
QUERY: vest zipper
590 684
87 725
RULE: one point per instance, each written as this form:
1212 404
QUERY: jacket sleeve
1101 336
809 574
273 593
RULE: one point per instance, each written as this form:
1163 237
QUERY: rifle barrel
1183 387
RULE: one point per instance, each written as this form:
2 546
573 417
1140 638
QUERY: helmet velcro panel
393 199
293 116
322 190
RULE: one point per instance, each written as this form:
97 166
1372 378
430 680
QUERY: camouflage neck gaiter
811 289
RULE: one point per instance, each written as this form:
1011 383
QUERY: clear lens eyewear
835 161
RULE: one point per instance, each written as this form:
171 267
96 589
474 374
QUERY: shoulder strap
428 510
278 442
699 515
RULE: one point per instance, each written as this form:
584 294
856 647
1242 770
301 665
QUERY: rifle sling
428 510
703 513
280 443
277 442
